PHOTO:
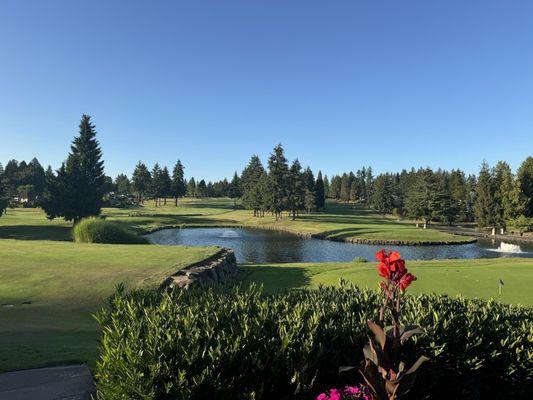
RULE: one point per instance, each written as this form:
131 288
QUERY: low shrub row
238 343
98 230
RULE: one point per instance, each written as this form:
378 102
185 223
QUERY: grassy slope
338 220
65 283
469 278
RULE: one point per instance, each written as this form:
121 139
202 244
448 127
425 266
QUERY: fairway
49 289
468 278
337 221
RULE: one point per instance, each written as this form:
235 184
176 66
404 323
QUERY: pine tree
326 190
420 200
234 191
320 191
335 187
278 172
353 191
525 179
510 201
123 185
345 188
81 179
156 184
444 206
309 200
458 191
369 184
178 188
485 205
191 188
383 199
296 188
201 190
141 181
166 185
251 176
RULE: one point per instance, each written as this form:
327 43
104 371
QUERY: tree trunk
156 202
176 201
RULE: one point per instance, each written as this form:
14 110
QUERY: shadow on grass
274 278
36 232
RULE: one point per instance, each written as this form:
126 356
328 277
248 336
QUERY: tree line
496 197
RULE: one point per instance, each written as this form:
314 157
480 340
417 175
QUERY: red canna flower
406 280
384 270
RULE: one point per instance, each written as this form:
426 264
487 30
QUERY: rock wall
219 268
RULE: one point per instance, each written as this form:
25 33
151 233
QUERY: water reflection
264 246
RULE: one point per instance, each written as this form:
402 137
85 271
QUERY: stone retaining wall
219 268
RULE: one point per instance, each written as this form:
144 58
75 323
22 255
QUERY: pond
267 246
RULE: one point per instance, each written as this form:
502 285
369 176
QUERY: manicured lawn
468 278
55 286
338 220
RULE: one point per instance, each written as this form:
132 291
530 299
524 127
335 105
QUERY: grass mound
98 230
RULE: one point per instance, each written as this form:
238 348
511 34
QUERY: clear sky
340 84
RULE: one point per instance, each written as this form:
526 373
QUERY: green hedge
98 230
241 344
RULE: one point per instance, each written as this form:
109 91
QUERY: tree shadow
36 232
274 278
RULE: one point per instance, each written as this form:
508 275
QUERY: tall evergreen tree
354 191
326 189
525 179
201 189
81 179
369 184
320 191
191 188
335 187
166 185
251 176
345 188
444 207
156 184
141 182
485 205
296 188
123 185
383 199
178 182
278 172
420 200
234 191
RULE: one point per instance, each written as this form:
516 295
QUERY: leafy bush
98 230
239 343
522 224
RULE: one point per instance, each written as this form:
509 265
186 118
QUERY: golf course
50 286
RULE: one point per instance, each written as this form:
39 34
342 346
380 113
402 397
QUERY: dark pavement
57 383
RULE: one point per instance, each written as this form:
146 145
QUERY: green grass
63 283
469 278
339 220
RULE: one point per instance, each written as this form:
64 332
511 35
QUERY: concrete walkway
57 383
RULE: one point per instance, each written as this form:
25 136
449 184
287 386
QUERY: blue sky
340 84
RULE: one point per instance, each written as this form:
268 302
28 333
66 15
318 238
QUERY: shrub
522 224
98 230
239 343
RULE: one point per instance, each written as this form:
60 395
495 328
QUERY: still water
265 246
